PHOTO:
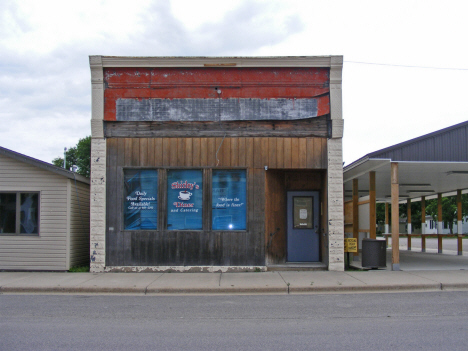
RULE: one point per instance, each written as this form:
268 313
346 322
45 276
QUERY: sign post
350 245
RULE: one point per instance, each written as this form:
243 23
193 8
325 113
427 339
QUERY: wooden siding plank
294 152
181 160
111 186
145 249
226 153
216 248
218 152
272 152
310 153
324 153
188 152
227 249
242 152
204 152
151 153
207 179
118 219
128 152
127 248
144 152
287 153
158 152
192 249
173 152
256 242
264 152
280 152
234 152
302 153
309 127
196 152
212 148
257 152
135 240
166 152
317 153
135 152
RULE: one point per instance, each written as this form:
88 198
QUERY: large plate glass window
229 200
140 199
19 213
185 199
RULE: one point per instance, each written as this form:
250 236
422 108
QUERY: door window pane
8 213
29 213
303 212
141 199
229 200
184 199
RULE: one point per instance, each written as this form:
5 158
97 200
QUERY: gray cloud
45 97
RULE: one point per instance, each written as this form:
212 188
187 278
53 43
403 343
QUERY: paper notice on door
303 213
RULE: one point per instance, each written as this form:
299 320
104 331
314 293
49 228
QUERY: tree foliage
415 213
79 155
449 209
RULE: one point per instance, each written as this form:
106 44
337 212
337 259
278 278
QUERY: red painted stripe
180 83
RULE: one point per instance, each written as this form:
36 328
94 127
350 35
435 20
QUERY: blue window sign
140 199
229 200
184 199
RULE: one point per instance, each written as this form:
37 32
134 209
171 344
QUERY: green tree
415 213
449 209
402 212
79 155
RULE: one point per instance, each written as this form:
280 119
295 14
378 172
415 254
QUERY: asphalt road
398 321
449 245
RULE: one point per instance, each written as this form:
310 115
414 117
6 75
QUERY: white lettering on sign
140 201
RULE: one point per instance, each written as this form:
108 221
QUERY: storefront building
216 163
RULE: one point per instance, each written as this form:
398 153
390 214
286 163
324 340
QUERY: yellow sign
350 245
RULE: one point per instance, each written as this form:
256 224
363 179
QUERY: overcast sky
45 88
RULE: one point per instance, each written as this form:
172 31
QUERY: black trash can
374 253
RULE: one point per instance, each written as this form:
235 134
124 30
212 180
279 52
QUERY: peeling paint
185 269
237 109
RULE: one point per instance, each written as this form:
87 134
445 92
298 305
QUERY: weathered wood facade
163 114
61 239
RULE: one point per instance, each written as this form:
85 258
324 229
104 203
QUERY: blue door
303 238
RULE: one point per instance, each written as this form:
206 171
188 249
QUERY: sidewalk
232 283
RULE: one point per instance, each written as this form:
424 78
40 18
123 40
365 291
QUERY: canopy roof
428 165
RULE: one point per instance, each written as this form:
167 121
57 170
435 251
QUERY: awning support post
459 223
356 216
386 219
372 206
408 206
439 223
395 218
423 223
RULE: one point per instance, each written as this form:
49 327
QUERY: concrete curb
238 290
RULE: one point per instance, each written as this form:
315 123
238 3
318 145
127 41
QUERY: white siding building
44 215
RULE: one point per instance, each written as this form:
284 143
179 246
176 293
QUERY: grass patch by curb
79 269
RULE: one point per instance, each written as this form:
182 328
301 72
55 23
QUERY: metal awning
416 179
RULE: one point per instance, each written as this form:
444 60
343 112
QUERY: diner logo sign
185 199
